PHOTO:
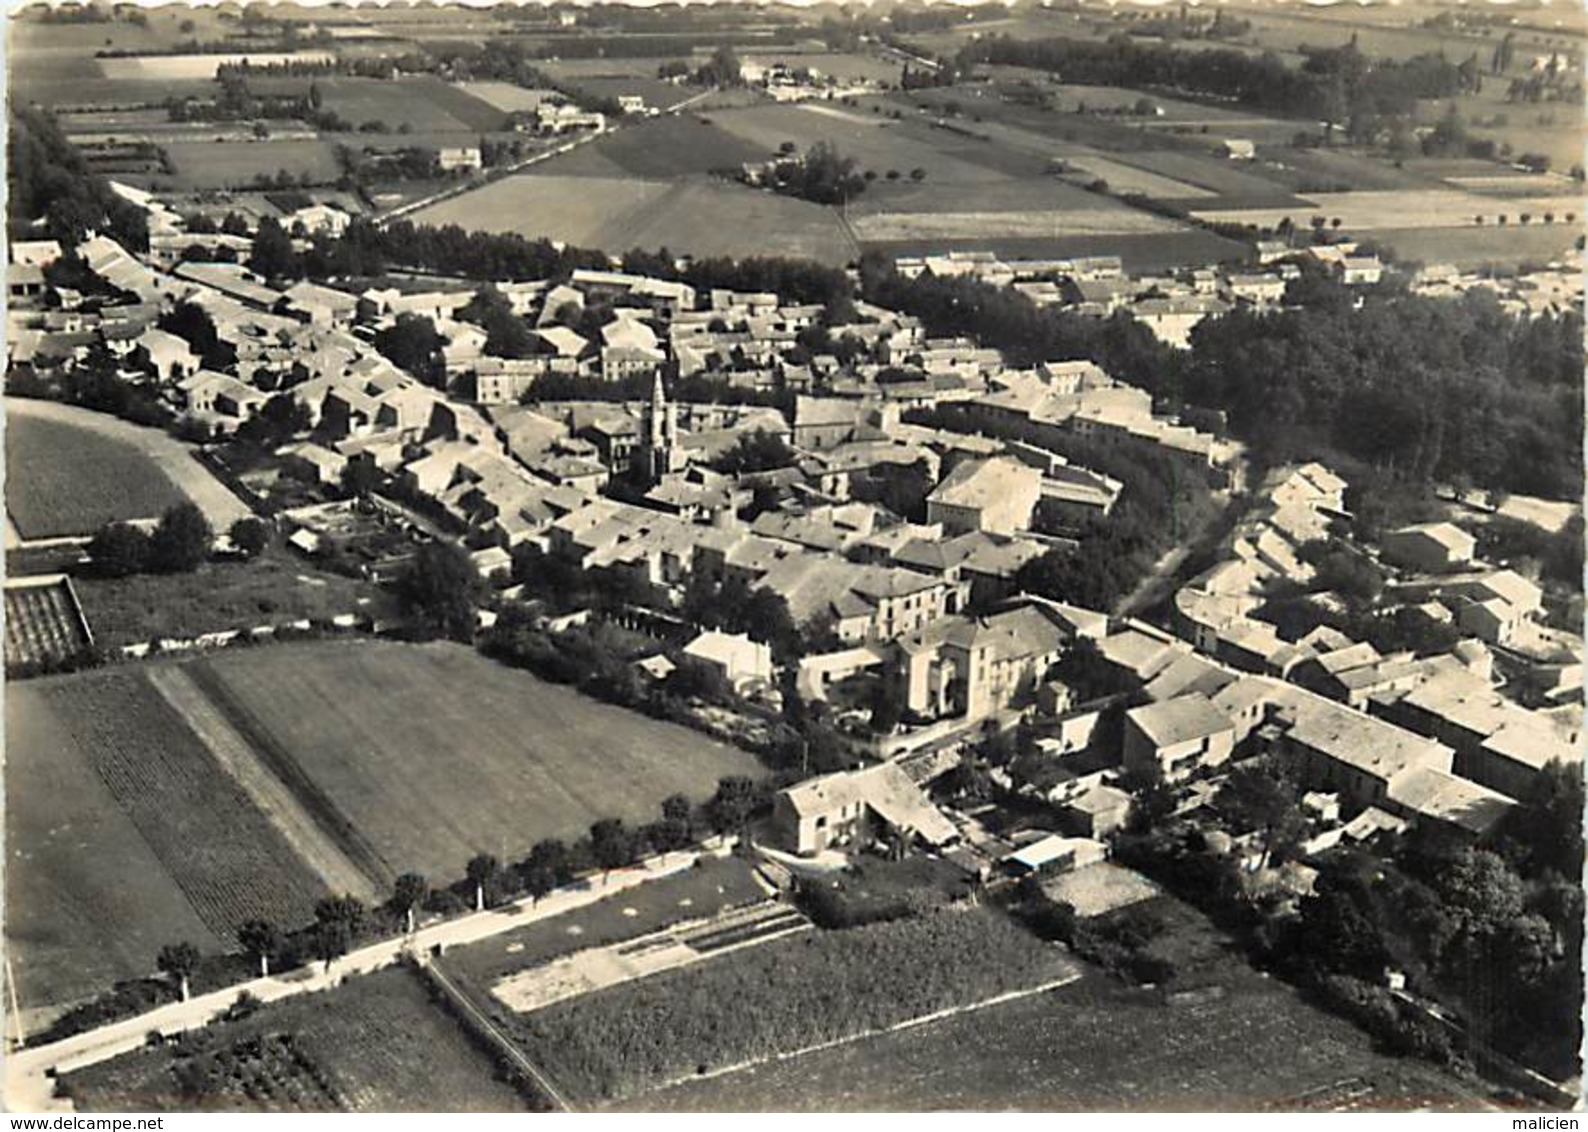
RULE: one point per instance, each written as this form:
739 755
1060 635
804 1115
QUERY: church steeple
661 430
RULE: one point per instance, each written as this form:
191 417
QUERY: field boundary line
896 1027
316 846
280 762
501 1041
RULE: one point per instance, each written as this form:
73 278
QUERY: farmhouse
851 807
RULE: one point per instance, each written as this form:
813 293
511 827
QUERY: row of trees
342 922
1335 85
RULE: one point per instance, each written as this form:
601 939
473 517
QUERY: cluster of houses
1170 305
941 428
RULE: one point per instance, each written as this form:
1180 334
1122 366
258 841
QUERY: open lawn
1233 1041
65 480
273 589
433 753
69 470
87 900
376 1044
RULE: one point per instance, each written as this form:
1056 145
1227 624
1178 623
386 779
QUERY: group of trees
412 344
178 544
1338 85
439 590
1162 504
822 175
1496 933
51 183
1411 388
1423 389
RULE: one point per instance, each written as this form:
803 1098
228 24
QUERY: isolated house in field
854 806
1432 548
1240 149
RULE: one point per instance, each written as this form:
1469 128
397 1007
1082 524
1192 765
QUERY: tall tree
262 940
179 961
483 870
182 540
272 254
408 891
439 589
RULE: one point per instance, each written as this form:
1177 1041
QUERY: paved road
28 1088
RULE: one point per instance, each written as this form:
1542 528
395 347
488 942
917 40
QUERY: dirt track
274 799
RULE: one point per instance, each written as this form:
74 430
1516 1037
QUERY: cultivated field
1367 212
671 146
1478 247
506 97
63 480
1123 178
578 210
423 103
69 470
1236 1041
376 1044
781 996
875 142
228 859
697 216
88 902
42 625
890 227
432 753
236 164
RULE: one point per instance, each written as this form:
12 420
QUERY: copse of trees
439 589
1422 389
412 343
50 181
822 175
179 544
